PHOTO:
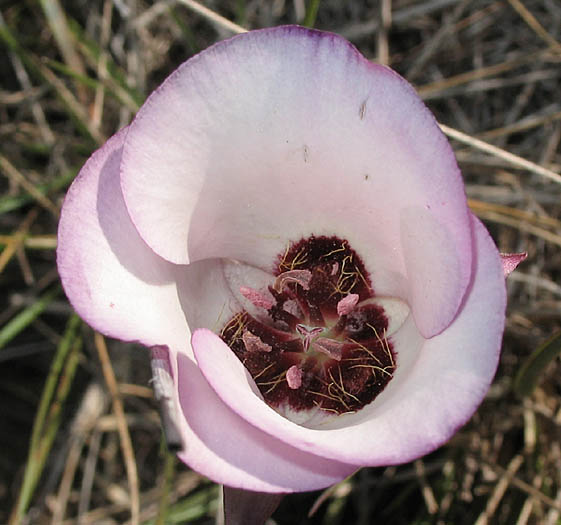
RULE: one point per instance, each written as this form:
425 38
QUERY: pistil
308 334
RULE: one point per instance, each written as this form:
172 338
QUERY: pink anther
253 343
346 305
256 298
301 277
294 377
330 347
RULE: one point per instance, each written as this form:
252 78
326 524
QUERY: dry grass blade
500 490
517 224
343 487
34 242
532 21
428 90
36 108
522 215
508 477
17 240
57 22
426 489
536 282
436 41
513 160
18 178
384 27
523 125
213 17
126 443
106 80
90 410
97 112
73 104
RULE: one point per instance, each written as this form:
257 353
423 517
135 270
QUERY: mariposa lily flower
285 224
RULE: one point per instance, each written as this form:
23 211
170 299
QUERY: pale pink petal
229 450
210 293
282 133
438 384
434 291
395 310
511 261
116 283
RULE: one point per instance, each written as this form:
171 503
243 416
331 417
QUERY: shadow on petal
121 235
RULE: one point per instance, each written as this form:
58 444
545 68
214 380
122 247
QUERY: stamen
294 377
346 305
301 277
253 343
329 347
256 298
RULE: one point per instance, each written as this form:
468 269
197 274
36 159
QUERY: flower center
321 342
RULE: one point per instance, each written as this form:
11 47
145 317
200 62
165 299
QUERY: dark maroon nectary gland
345 362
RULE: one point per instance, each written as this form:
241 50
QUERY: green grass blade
192 508
116 83
311 13
22 320
532 370
188 34
56 19
11 203
75 109
169 475
47 420
59 67
52 379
